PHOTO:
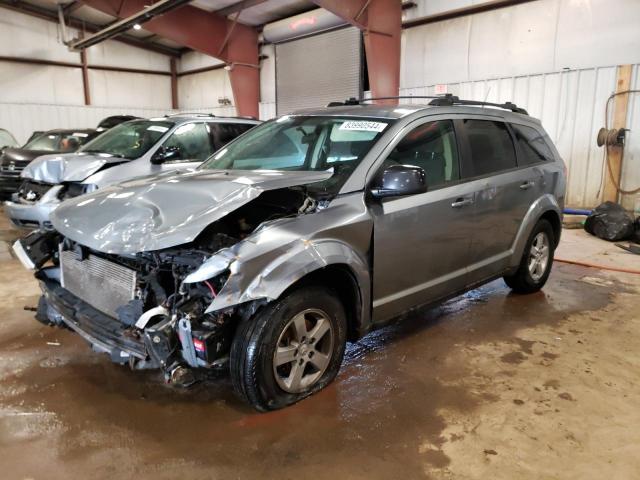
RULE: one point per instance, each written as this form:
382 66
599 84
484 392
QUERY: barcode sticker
363 126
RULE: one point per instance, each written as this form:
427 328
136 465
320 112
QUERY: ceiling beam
232 42
73 22
117 28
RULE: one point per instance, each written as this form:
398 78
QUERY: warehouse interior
483 384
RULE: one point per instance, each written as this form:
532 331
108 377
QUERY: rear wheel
290 349
536 262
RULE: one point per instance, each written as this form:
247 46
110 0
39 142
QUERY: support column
620 106
207 32
174 84
85 77
381 24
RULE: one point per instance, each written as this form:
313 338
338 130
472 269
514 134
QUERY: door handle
527 185
462 202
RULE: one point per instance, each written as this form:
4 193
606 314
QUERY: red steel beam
381 23
174 84
205 32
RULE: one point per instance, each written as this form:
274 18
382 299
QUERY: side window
533 147
431 146
490 146
223 133
191 140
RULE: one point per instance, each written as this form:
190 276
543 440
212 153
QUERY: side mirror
400 180
165 154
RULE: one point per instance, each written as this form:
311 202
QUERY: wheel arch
342 280
546 207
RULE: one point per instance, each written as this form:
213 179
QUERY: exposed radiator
102 284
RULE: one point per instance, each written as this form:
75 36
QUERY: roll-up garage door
315 70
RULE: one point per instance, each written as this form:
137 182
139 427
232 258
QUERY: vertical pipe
174 84
85 77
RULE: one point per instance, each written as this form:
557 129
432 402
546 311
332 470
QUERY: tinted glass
431 146
191 140
490 146
303 143
47 142
223 133
129 140
533 147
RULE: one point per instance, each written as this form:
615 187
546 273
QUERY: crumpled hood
67 167
165 210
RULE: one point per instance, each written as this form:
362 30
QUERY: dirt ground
488 386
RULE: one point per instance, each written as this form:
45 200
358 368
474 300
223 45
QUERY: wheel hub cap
538 256
303 351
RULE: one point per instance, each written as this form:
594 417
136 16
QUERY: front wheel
290 349
536 262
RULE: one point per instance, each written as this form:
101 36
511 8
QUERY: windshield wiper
118 155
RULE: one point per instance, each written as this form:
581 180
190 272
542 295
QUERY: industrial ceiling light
137 26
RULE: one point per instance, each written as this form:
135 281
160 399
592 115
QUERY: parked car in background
131 149
13 160
307 231
113 121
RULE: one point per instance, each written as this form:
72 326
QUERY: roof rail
449 100
436 100
190 114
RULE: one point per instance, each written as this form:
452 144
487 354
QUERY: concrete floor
489 385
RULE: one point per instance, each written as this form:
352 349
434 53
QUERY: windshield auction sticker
363 126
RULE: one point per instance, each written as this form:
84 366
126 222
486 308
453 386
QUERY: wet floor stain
65 410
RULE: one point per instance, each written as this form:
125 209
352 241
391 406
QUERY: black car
13 160
114 120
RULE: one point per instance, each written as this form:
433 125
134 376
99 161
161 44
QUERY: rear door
422 242
503 192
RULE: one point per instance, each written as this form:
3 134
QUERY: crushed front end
137 309
148 309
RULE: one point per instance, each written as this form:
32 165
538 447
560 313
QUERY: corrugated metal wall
571 106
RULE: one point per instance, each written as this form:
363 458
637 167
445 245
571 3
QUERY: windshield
303 144
58 141
129 140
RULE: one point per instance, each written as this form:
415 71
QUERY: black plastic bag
610 221
636 234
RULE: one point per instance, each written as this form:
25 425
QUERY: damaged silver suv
305 233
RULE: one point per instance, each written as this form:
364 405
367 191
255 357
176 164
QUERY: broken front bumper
104 333
33 214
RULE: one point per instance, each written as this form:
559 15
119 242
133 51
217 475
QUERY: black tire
522 280
256 339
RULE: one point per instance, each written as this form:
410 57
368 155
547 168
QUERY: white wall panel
118 54
267 110
534 37
132 89
25 36
40 83
203 89
23 119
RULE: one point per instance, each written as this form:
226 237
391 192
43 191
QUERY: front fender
538 208
286 267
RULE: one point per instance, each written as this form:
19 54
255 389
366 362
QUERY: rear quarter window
532 144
